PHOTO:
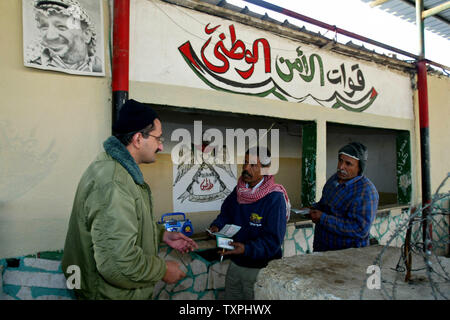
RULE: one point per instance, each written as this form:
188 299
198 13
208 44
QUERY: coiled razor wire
435 217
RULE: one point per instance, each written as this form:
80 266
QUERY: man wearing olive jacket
113 236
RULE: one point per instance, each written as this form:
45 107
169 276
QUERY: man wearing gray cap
348 206
113 236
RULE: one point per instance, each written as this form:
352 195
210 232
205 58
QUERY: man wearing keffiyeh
349 203
261 208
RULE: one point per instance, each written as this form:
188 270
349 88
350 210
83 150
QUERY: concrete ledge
341 275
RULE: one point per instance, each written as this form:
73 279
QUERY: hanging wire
203 24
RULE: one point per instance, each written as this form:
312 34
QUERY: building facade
195 61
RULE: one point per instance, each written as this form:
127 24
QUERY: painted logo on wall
202 186
229 64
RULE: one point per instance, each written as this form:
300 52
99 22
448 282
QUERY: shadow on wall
25 163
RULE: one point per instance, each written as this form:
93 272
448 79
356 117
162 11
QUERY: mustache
245 173
55 42
342 171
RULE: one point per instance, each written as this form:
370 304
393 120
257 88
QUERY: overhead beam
295 15
435 10
377 3
436 16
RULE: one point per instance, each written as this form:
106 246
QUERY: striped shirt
349 209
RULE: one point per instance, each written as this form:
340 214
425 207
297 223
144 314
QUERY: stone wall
32 278
298 239
205 279
40 276
343 275
35 278
300 235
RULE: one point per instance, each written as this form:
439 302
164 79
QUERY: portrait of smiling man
66 38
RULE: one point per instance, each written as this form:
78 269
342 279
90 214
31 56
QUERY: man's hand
179 241
315 215
239 248
173 273
213 229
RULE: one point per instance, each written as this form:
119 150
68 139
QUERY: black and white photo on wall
64 35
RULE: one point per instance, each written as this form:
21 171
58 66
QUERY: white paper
224 243
301 211
228 231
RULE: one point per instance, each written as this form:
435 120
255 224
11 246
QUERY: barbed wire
425 248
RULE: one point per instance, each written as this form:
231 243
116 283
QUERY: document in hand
228 231
224 236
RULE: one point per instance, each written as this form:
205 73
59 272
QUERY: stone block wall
300 235
205 279
389 227
31 278
40 276
34 278
385 225
298 239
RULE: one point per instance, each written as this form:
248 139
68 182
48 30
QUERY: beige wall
51 126
439 115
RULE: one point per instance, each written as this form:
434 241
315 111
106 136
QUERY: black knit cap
356 150
134 116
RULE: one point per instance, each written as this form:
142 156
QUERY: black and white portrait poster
64 35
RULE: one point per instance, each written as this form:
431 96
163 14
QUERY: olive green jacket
113 236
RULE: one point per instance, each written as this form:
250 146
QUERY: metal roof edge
285 29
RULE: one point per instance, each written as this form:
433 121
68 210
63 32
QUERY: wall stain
25 161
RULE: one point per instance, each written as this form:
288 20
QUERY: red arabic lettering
218 55
237 51
206 185
253 58
209 31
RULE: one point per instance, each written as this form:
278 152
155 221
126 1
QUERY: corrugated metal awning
405 9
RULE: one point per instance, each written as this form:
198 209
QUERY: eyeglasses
160 139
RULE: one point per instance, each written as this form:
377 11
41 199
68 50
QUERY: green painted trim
309 155
404 182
